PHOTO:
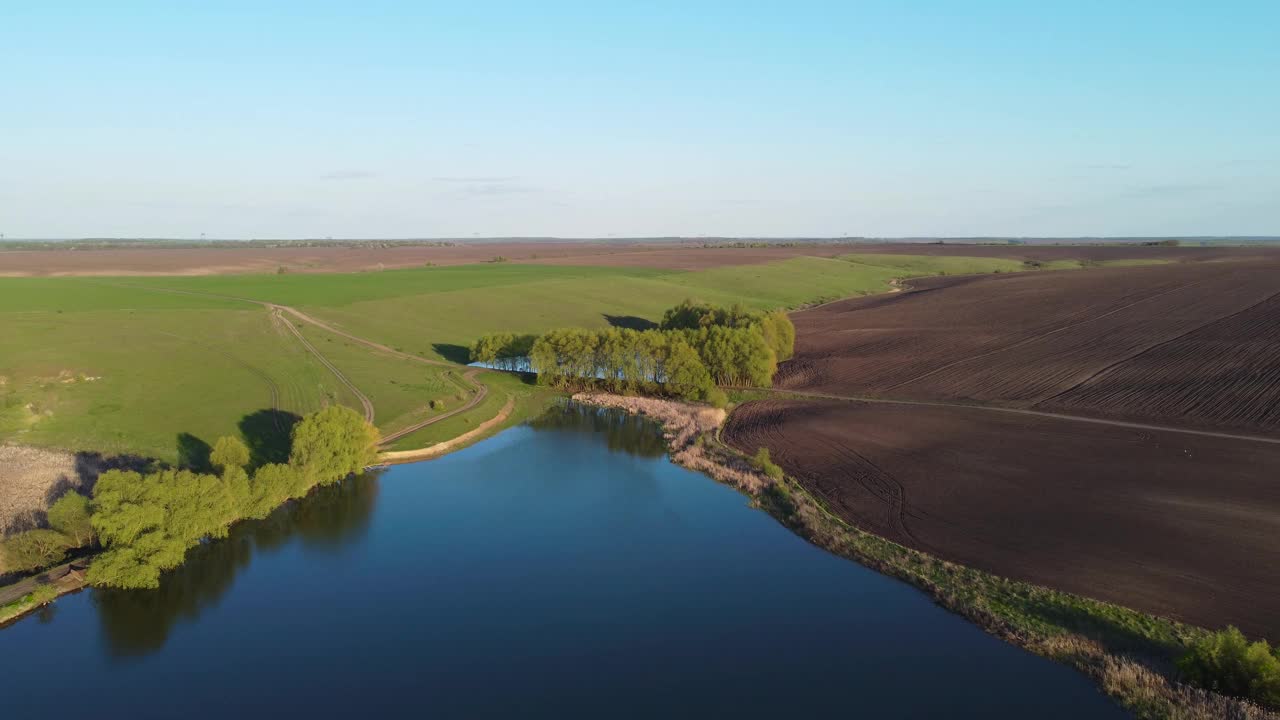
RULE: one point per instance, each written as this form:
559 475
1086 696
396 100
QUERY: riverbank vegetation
145 522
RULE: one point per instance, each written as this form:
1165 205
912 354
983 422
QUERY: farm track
364 400
476 399
1132 425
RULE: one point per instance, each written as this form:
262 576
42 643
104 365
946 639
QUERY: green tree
332 443
146 523
1227 663
34 549
69 515
780 334
230 456
271 486
229 453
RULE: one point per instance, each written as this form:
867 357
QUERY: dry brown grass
684 426
30 480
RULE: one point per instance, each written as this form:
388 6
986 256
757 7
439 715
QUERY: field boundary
1016 411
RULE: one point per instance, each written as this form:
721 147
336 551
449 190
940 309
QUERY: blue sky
378 119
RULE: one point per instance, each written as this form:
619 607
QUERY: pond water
563 568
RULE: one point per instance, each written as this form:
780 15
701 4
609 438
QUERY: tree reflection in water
623 432
137 622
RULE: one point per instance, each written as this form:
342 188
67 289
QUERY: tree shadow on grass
269 435
193 453
1113 630
89 465
630 322
452 353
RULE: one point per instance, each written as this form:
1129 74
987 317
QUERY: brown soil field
1195 344
676 255
221 260
1171 523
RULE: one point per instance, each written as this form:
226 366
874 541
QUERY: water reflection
137 622
622 432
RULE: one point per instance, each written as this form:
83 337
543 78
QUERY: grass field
129 381
122 365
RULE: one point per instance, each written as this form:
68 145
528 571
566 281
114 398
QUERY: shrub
437 405
765 464
1227 663
716 397
43 594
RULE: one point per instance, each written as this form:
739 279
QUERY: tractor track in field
365 402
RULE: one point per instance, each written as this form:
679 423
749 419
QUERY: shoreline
29 594
444 447
1141 682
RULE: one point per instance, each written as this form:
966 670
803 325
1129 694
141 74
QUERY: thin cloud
1166 190
347 175
490 189
1109 166
489 179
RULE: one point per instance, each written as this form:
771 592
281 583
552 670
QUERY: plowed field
1196 344
1112 432
1171 523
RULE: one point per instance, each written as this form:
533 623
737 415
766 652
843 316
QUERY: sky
595 119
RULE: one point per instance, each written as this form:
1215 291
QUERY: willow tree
70 515
330 444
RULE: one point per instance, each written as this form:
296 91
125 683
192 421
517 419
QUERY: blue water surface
561 569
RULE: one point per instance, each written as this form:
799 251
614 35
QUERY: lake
563 568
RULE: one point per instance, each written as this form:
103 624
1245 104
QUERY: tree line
696 348
146 522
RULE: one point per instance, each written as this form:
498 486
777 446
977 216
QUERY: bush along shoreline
1157 668
142 524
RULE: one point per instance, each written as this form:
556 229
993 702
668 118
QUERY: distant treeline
696 348
146 522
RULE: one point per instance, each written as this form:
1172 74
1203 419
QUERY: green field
126 365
